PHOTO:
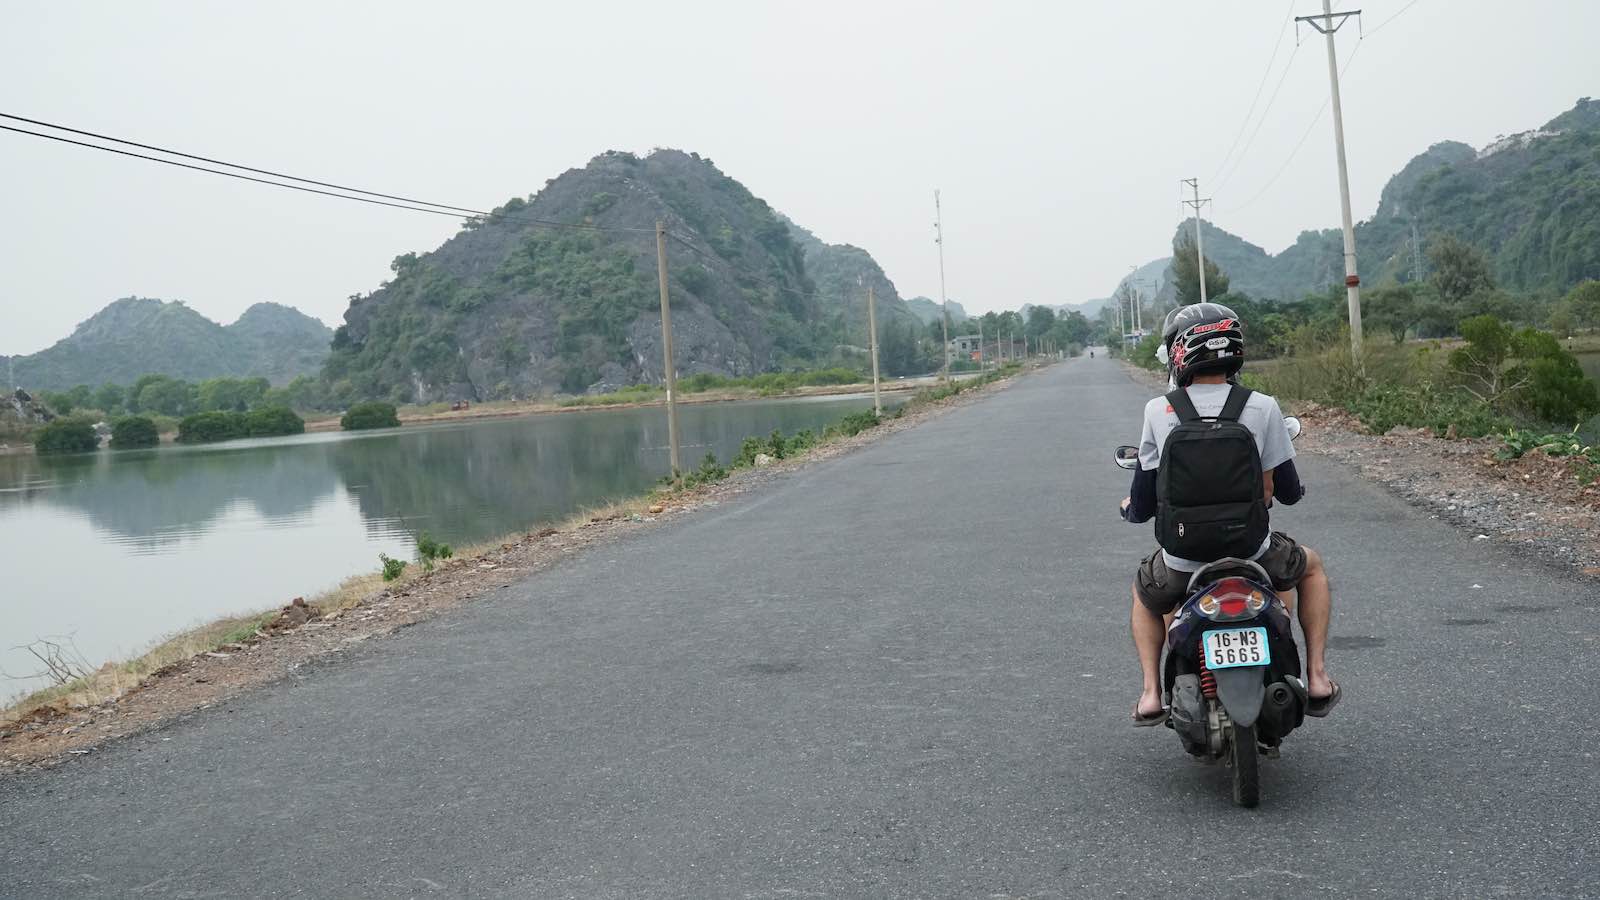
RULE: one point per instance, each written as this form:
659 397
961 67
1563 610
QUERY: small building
966 344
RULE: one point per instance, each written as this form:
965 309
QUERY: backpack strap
1237 398
1183 406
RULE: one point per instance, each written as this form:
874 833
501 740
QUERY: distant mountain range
1531 201
928 310
138 336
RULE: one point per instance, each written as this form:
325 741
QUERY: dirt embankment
300 633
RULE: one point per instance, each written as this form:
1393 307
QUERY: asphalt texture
901 673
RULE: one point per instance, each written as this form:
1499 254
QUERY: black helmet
1202 337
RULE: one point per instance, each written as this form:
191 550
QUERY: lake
114 550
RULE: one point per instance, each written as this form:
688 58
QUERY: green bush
1558 391
269 421
853 424
430 551
392 568
369 415
206 427
1384 408
134 431
66 436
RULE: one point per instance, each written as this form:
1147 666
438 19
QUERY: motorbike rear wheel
1245 760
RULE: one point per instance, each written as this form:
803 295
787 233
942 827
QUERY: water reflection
117 549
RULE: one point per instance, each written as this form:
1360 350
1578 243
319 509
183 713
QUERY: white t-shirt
1261 415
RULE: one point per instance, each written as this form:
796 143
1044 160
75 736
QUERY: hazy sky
1056 131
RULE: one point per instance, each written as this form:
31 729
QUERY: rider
1207 368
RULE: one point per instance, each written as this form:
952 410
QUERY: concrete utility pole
872 337
944 320
981 361
1352 282
1416 252
666 346
1200 255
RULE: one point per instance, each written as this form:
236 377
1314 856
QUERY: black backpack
1210 499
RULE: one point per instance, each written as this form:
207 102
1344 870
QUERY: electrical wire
1301 143
1397 15
219 162
1276 89
393 201
1276 45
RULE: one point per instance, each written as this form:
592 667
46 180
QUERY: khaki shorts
1161 590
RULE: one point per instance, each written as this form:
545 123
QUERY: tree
134 431
109 397
1185 272
66 436
1583 304
1457 269
1392 309
1040 320
165 395
235 394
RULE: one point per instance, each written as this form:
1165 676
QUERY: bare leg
1148 634
1315 610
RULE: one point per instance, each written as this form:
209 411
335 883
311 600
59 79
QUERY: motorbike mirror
1293 424
1127 457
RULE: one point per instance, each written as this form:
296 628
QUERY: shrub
776 445
392 568
66 436
854 424
749 450
430 551
1557 390
269 421
201 428
369 415
134 431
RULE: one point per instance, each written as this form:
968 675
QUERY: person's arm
1286 486
1141 503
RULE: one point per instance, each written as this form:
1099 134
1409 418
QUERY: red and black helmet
1200 338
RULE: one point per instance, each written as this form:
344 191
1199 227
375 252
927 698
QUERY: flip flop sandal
1321 706
1150 720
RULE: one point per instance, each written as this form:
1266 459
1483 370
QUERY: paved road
903 673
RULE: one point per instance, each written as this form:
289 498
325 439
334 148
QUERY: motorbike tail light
1232 598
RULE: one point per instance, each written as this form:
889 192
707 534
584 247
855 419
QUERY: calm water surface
115 550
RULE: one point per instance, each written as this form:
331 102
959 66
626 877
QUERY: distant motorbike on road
1231 674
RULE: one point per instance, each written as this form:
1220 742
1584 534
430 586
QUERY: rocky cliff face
559 292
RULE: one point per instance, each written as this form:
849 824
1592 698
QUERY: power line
1253 100
1300 143
422 206
815 295
1238 161
1397 15
219 162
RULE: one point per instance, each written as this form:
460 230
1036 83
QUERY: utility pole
1200 254
981 361
666 346
872 337
1416 252
944 320
1352 282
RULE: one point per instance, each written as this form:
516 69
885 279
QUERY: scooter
1231 675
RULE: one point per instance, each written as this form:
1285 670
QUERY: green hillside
1530 201
509 307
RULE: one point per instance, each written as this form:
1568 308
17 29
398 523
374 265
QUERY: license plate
1237 647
